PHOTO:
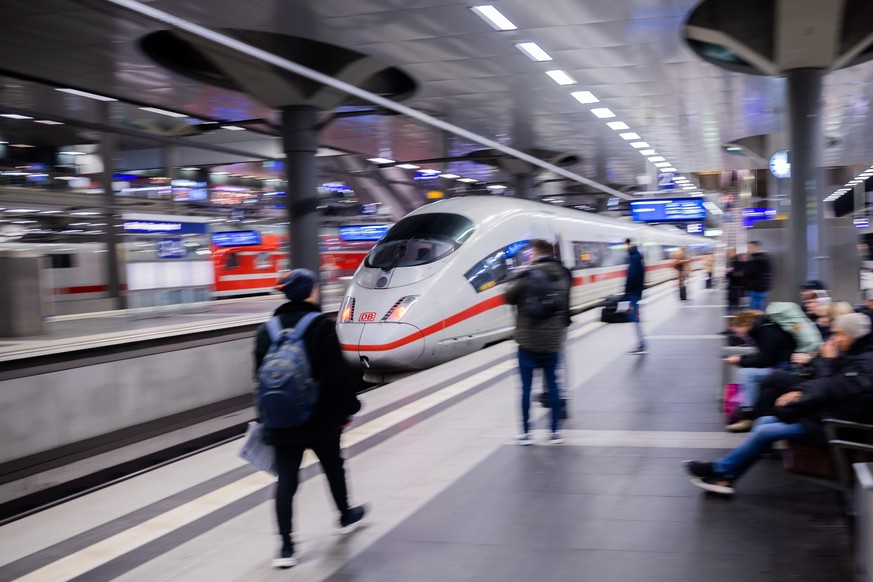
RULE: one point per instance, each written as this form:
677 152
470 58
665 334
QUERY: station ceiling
628 53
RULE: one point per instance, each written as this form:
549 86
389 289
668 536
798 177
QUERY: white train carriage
433 288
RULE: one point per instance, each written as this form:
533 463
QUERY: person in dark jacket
734 276
774 348
758 276
842 389
336 404
633 291
540 342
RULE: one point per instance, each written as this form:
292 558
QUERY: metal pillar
804 105
300 144
107 149
524 186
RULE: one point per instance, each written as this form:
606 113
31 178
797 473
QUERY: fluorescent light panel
407 166
380 160
533 51
603 112
233 127
629 136
85 94
47 122
669 169
450 176
657 159
14 116
561 77
639 144
494 17
468 180
662 164
585 97
163 112
649 152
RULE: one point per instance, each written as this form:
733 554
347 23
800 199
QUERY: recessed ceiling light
73 153
617 125
649 152
533 51
450 176
407 166
380 160
14 116
662 164
21 145
190 169
657 159
669 169
163 112
468 180
233 127
85 94
585 97
629 136
494 17
47 122
603 112
561 77
639 144
689 187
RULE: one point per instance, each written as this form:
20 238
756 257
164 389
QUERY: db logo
368 316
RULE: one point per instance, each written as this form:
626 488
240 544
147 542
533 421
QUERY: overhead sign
696 228
753 215
236 238
665 181
159 227
363 232
669 210
171 248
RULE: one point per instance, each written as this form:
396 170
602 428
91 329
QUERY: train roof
478 208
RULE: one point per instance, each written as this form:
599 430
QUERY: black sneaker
351 519
699 469
286 557
718 485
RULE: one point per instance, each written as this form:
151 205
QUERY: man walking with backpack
542 295
306 398
633 291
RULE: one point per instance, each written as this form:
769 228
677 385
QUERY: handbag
256 452
730 401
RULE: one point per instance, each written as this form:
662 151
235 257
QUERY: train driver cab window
419 240
497 267
62 261
231 260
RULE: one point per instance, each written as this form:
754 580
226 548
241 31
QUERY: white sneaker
556 439
283 563
524 439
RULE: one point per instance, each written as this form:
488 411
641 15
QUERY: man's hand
788 398
829 349
733 360
801 358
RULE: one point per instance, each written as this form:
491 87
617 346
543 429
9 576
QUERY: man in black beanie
336 404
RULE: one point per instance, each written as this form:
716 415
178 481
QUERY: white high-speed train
432 289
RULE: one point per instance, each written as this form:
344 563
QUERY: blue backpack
286 391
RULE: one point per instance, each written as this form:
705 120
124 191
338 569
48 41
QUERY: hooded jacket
542 336
636 273
775 345
842 388
337 401
758 272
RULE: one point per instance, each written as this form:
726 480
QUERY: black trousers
288 459
778 383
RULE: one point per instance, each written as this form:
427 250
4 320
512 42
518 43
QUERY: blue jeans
757 300
766 431
634 300
750 384
527 362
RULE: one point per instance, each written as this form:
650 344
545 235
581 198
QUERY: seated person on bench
842 388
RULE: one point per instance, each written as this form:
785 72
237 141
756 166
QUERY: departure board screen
669 210
236 238
363 232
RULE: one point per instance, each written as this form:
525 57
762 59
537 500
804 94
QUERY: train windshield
421 239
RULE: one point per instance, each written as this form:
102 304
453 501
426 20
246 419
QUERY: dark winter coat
758 272
337 401
636 273
842 388
542 336
735 276
775 345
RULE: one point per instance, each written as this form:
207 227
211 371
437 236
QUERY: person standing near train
633 292
541 332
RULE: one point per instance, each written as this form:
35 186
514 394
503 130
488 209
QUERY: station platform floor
451 497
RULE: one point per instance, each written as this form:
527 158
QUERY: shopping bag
730 401
256 452
622 306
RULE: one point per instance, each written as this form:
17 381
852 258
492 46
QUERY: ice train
432 289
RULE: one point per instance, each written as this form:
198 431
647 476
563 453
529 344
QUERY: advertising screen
753 215
236 238
669 210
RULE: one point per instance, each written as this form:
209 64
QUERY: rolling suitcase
611 313
683 293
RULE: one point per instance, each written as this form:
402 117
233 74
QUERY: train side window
497 267
62 261
231 261
588 254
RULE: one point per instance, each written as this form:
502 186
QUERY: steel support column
524 186
300 144
805 126
110 214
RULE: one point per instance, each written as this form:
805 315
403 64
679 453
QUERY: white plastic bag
257 453
622 306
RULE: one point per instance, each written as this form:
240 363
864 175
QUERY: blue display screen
363 232
236 238
753 215
162 227
671 210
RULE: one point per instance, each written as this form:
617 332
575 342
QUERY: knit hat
297 285
854 325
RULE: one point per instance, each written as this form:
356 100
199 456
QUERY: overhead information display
669 210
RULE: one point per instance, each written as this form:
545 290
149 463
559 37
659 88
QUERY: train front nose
382 346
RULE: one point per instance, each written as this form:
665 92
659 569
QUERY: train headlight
400 308
347 311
